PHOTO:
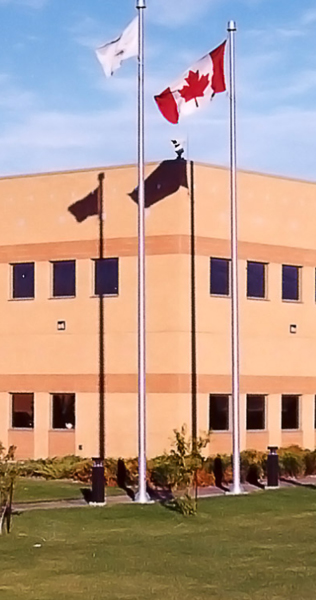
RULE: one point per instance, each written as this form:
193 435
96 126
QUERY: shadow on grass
295 482
87 494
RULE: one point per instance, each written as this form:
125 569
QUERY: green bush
291 461
252 464
184 505
180 469
66 467
310 462
163 472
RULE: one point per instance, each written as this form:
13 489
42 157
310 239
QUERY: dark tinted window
219 412
255 411
255 279
106 276
64 278
290 282
220 276
290 412
23 280
63 409
23 410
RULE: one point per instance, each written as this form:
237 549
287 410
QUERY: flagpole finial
231 26
141 4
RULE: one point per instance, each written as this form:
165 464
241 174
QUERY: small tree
8 473
187 458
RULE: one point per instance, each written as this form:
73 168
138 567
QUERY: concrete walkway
205 492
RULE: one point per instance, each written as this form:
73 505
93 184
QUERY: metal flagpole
231 28
141 495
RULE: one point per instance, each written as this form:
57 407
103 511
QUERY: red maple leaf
196 86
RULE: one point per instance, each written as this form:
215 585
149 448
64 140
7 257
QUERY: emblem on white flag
113 53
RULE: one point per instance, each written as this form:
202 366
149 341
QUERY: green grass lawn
256 547
35 490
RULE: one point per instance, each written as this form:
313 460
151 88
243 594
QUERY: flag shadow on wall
165 180
85 207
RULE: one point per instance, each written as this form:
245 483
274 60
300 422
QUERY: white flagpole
231 28
141 495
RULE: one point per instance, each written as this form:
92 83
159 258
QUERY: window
220 276
255 411
290 412
23 411
219 412
256 279
64 278
23 280
63 411
290 282
106 276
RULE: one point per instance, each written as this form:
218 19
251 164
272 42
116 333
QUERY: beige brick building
50 286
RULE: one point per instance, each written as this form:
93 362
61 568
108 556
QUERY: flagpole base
143 498
236 490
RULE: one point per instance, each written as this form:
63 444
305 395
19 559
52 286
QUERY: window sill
220 295
293 430
62 430
258 298
219 431
61 297
21 429
105 295
287 300
256 430
20 299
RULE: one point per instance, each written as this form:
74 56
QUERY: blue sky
58 112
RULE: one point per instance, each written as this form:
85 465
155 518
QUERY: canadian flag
195 88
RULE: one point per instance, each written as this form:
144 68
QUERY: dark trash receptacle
273 467
98 483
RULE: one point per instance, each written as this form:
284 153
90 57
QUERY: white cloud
274 35
53 129
282 142
300 84
84 32
37 4
309 17
12 97
51 140
175 13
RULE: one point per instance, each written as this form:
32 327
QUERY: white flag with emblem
111 54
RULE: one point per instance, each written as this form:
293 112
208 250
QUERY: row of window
256 279
106 279
219 413
62 411
64 278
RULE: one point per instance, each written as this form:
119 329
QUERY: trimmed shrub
66 467
252 462
292 461
310 462
179 469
